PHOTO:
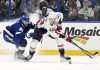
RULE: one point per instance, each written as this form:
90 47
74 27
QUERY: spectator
93 3
13 7
28 6
99 15
98 1
0 10
0 5
18 3
64 9
18 12
74 16
3 9
48 1
71 4
78 4
87 11
13 4
53 5
35 5
96 12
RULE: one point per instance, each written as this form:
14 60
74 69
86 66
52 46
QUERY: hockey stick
85 51
69 39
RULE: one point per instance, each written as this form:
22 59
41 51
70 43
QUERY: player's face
25 23
44 12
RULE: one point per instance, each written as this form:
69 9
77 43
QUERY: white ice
48 62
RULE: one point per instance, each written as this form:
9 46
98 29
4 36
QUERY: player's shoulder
55 13
31 24
15 26
38 11
59 14
49 10
51 13
18 22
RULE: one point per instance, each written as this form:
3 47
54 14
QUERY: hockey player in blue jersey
16 34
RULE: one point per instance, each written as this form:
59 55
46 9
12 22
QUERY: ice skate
19 55
29 57
65 59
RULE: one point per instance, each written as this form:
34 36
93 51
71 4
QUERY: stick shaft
85 51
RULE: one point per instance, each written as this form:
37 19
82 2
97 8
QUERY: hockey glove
61 36
28 35
59 28
69 39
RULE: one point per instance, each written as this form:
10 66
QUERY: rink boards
88 37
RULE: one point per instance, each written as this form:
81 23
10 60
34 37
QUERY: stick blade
95 55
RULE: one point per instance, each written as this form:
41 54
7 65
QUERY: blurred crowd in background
73 10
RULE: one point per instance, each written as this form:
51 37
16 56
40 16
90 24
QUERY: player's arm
19 34
39 31
59 26
32 25
15 29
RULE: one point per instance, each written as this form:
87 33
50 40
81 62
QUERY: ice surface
46 62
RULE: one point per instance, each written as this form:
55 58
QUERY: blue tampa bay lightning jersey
18 30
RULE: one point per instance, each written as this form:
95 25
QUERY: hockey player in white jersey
52 22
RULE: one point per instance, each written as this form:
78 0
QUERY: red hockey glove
69 39
59 28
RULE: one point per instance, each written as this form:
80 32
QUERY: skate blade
26 60
64 60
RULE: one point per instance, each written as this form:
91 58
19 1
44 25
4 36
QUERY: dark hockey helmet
42 4
25 18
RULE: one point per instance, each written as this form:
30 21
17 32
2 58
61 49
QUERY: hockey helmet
25 18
